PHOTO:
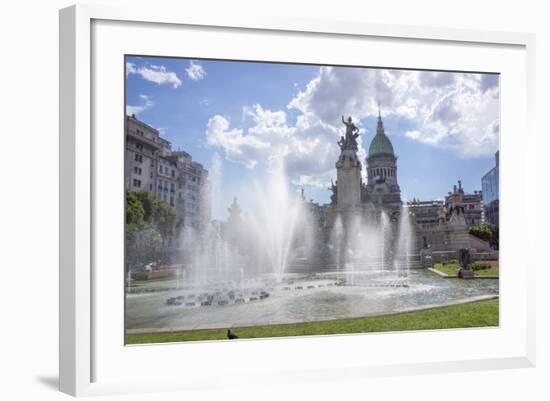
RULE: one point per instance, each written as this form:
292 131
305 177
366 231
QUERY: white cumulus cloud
453 111
246 149
457 111
154 73
136 109
195 71
308 147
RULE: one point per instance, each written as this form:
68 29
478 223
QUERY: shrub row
479 266
475 266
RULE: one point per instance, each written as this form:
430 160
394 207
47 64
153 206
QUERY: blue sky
444 126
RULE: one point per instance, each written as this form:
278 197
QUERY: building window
139 146
137 183
173 173
137 170
138 158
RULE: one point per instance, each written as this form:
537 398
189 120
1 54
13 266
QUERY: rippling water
356 295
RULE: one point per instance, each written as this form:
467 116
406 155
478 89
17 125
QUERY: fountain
275 221
336 245
288 260
261 268
405 238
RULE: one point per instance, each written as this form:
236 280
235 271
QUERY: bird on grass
231 335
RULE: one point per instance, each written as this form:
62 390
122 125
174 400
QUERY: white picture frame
79 317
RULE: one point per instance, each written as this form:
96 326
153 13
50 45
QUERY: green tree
135 223
135 213
147 213
149 203
158 214
481 232
486 232
495 236
165 220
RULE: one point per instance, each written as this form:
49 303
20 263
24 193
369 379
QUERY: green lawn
493 271
476 314
452 270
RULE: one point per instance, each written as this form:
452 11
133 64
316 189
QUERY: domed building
365 224
358 209
382 188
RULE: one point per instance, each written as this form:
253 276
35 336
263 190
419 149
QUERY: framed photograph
250 192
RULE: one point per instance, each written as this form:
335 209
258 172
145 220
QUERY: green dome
380 144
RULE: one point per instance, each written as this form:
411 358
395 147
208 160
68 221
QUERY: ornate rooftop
381 144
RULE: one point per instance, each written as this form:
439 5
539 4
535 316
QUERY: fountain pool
296 298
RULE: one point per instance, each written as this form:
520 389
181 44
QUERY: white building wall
151 165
